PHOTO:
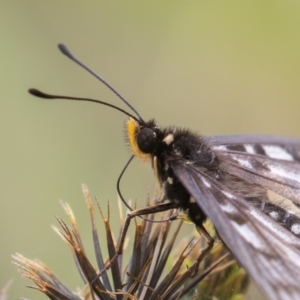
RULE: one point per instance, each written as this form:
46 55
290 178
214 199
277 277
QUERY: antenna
70 55
43 95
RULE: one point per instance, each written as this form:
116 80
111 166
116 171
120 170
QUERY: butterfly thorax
163 147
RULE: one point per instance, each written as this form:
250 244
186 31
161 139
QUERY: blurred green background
219 67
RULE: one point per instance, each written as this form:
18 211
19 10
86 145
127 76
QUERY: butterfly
247 185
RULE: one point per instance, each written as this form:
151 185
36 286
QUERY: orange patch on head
133 129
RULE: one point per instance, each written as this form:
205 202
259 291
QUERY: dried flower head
156 268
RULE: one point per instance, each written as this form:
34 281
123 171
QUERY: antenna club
64 50
39 94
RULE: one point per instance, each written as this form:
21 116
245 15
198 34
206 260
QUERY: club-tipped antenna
71 56
43 95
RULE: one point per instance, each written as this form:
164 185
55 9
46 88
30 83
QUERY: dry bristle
148 275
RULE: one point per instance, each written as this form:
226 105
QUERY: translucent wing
271 162
269 253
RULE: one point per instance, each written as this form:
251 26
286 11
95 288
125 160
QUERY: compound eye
146 139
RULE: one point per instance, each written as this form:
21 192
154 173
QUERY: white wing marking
277 152
279 171
243 162
249 149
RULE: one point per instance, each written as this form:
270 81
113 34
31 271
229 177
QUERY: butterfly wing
235 140
272 162
269 253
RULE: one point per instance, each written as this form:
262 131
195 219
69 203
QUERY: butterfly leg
131 215
210 243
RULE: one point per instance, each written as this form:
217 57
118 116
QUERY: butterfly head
143 138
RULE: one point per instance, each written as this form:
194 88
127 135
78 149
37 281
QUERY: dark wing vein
272 162
268 252
282 177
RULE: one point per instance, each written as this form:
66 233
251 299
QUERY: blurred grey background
217 67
